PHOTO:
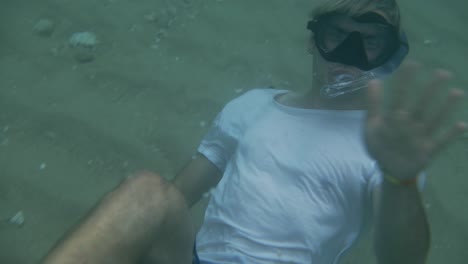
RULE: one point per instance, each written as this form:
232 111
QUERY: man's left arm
401 227
403 140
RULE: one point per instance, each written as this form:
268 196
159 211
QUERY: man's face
346 49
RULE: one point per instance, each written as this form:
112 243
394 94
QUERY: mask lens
331 37
335 36
380 42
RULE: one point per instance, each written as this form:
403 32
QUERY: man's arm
196 178
401 229
403 139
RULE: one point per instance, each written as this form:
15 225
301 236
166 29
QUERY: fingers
421 113
447 109
404 83
428 95
456 131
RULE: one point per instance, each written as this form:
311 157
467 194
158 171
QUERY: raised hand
404 137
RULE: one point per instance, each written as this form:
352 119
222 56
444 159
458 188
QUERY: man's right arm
197 178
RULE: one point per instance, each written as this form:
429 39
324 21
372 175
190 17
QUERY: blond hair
359 7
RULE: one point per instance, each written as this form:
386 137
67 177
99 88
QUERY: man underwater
297 176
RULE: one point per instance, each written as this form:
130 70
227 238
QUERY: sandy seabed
70 131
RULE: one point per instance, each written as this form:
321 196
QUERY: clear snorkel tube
351 79
345 85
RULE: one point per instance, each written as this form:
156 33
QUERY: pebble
44 27
84 45
17 219
430 42
151 17
83 55
84 39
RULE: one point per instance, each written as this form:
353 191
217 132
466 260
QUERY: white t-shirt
296 185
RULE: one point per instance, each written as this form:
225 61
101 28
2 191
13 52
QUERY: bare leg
145 219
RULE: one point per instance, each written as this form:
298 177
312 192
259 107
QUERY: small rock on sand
44 27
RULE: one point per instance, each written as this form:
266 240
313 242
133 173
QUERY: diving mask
356 50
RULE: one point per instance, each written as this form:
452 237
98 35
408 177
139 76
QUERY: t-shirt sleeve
220 142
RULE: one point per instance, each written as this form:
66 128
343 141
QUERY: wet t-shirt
296 186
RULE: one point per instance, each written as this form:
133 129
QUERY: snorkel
348 67
344 84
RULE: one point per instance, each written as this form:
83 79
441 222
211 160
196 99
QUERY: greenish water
74 121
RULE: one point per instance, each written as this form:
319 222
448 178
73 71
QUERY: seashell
83 39
17 219
44 27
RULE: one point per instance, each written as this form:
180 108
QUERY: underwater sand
70 131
